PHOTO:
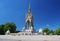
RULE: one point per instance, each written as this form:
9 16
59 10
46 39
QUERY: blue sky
45 12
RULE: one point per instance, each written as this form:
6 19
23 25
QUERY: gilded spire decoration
29 27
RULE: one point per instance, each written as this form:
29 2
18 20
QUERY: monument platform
30 38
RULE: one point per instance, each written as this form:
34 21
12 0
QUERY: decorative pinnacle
29 6
29 10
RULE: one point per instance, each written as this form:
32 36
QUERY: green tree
11 26
51 32
46 30
57 31
2 32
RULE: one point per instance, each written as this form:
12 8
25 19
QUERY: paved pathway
30 38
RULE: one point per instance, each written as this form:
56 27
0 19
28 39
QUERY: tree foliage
51 32
11 26
57 31
8 26
46 30
2 29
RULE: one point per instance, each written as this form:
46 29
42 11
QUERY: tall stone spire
29 15
29 21
29 10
